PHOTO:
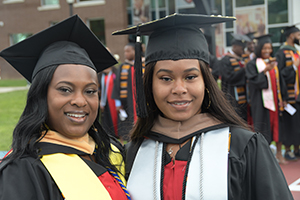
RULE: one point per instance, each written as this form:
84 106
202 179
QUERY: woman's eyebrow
164 70
192 69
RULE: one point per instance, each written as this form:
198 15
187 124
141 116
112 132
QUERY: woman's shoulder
116 145
241 138
24 162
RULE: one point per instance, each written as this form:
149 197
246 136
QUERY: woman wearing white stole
188 142
265 86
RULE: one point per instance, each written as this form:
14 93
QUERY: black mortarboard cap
290 29
239 39
286 31
263 39
174 37
251 35
177 36
67 42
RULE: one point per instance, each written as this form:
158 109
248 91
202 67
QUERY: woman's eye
64 89
91 91
190 77
166 79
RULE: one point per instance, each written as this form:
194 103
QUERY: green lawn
13 82
11 108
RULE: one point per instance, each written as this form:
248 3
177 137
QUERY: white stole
267 94
145 178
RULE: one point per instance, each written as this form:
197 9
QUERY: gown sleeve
287 72
254 172
257 80
234 77
27 179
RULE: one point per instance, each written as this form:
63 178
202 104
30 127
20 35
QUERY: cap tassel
281 39
140 95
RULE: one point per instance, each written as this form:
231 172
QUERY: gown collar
177 131
85 144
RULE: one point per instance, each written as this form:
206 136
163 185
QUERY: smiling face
266 50
178 88
72 100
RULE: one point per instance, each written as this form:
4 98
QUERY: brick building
21 18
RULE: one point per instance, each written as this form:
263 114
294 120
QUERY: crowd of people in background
262 85
184 136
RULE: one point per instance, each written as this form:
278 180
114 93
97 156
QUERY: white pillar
295 15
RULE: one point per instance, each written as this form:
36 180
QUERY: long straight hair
31 124
219 106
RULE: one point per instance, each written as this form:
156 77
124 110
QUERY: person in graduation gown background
288 58
188 142
109 114
123 91
59 149
232 71
250 46
267 100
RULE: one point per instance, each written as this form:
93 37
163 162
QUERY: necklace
170 151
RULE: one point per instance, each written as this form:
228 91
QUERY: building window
18 37
185 6
98 28
276 34
141 11
50 2
218 7
228 12
229 38
277 11
241 3
250 19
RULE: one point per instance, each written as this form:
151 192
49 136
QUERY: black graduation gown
291 123
27 178
261 118
124 126
109 112
253 172
232 78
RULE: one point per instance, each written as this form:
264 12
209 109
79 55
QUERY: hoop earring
209 101
46 126
94 128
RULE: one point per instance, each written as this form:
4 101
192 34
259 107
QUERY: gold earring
94 128
209 102
46 126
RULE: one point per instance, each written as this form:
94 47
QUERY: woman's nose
179 87
79 100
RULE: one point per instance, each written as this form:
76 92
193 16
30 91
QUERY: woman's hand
270 66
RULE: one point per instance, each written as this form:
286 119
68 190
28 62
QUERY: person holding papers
288 58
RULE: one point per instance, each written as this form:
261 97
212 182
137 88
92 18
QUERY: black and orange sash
293 89
240 91
124 80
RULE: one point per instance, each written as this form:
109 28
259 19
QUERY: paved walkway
10 89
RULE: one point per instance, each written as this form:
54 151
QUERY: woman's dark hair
27 132
219 107
258 48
